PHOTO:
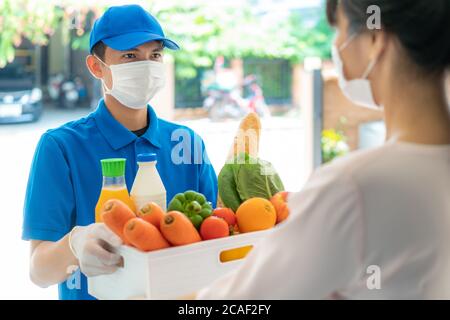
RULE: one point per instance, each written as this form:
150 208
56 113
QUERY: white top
373 225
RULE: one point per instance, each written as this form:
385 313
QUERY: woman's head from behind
411 43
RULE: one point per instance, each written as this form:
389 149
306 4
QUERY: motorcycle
255 101
223 103
67 92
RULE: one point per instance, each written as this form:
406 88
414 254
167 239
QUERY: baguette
246 140
247 137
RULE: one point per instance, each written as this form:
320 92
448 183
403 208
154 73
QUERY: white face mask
135 83
359 90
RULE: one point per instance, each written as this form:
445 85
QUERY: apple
227 214
279 201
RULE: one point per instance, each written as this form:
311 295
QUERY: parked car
20 98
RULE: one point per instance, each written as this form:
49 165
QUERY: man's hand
92 245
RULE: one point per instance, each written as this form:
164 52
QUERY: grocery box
173 272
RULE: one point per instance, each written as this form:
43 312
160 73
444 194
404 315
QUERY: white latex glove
92 245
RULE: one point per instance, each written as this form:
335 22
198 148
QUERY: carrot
152 213
115 215
178 229
144 235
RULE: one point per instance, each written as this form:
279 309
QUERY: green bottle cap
113 167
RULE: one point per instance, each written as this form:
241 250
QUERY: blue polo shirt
66 178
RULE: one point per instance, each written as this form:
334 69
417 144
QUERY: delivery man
126 46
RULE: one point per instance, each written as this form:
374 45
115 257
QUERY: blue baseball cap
127 27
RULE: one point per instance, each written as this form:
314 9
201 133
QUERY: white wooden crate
171 272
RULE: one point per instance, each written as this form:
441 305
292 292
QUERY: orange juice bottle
114 185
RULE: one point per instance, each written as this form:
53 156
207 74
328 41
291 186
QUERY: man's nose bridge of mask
133 62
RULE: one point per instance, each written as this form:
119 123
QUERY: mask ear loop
107 91
371 64
370 68
347 42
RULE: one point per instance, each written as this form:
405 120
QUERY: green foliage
33 20
307 40
203 29
207 31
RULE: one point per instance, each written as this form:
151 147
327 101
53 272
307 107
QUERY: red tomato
226 214
213 228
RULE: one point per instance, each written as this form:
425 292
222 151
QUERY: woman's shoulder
354 163
346 176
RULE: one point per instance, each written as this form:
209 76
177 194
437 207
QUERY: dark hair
99 50
421 26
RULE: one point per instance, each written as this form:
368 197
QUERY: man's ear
94 66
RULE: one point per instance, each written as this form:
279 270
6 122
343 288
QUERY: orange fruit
256 214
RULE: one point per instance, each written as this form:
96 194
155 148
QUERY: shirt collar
117 135
152 133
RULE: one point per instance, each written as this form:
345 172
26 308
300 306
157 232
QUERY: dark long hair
421 26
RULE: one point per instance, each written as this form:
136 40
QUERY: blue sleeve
49 202
208 178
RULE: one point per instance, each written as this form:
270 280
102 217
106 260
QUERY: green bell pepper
193 204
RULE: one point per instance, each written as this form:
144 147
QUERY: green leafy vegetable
244 178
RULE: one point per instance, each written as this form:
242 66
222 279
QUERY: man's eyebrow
158 49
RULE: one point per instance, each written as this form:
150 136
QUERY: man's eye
157 55
129 55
